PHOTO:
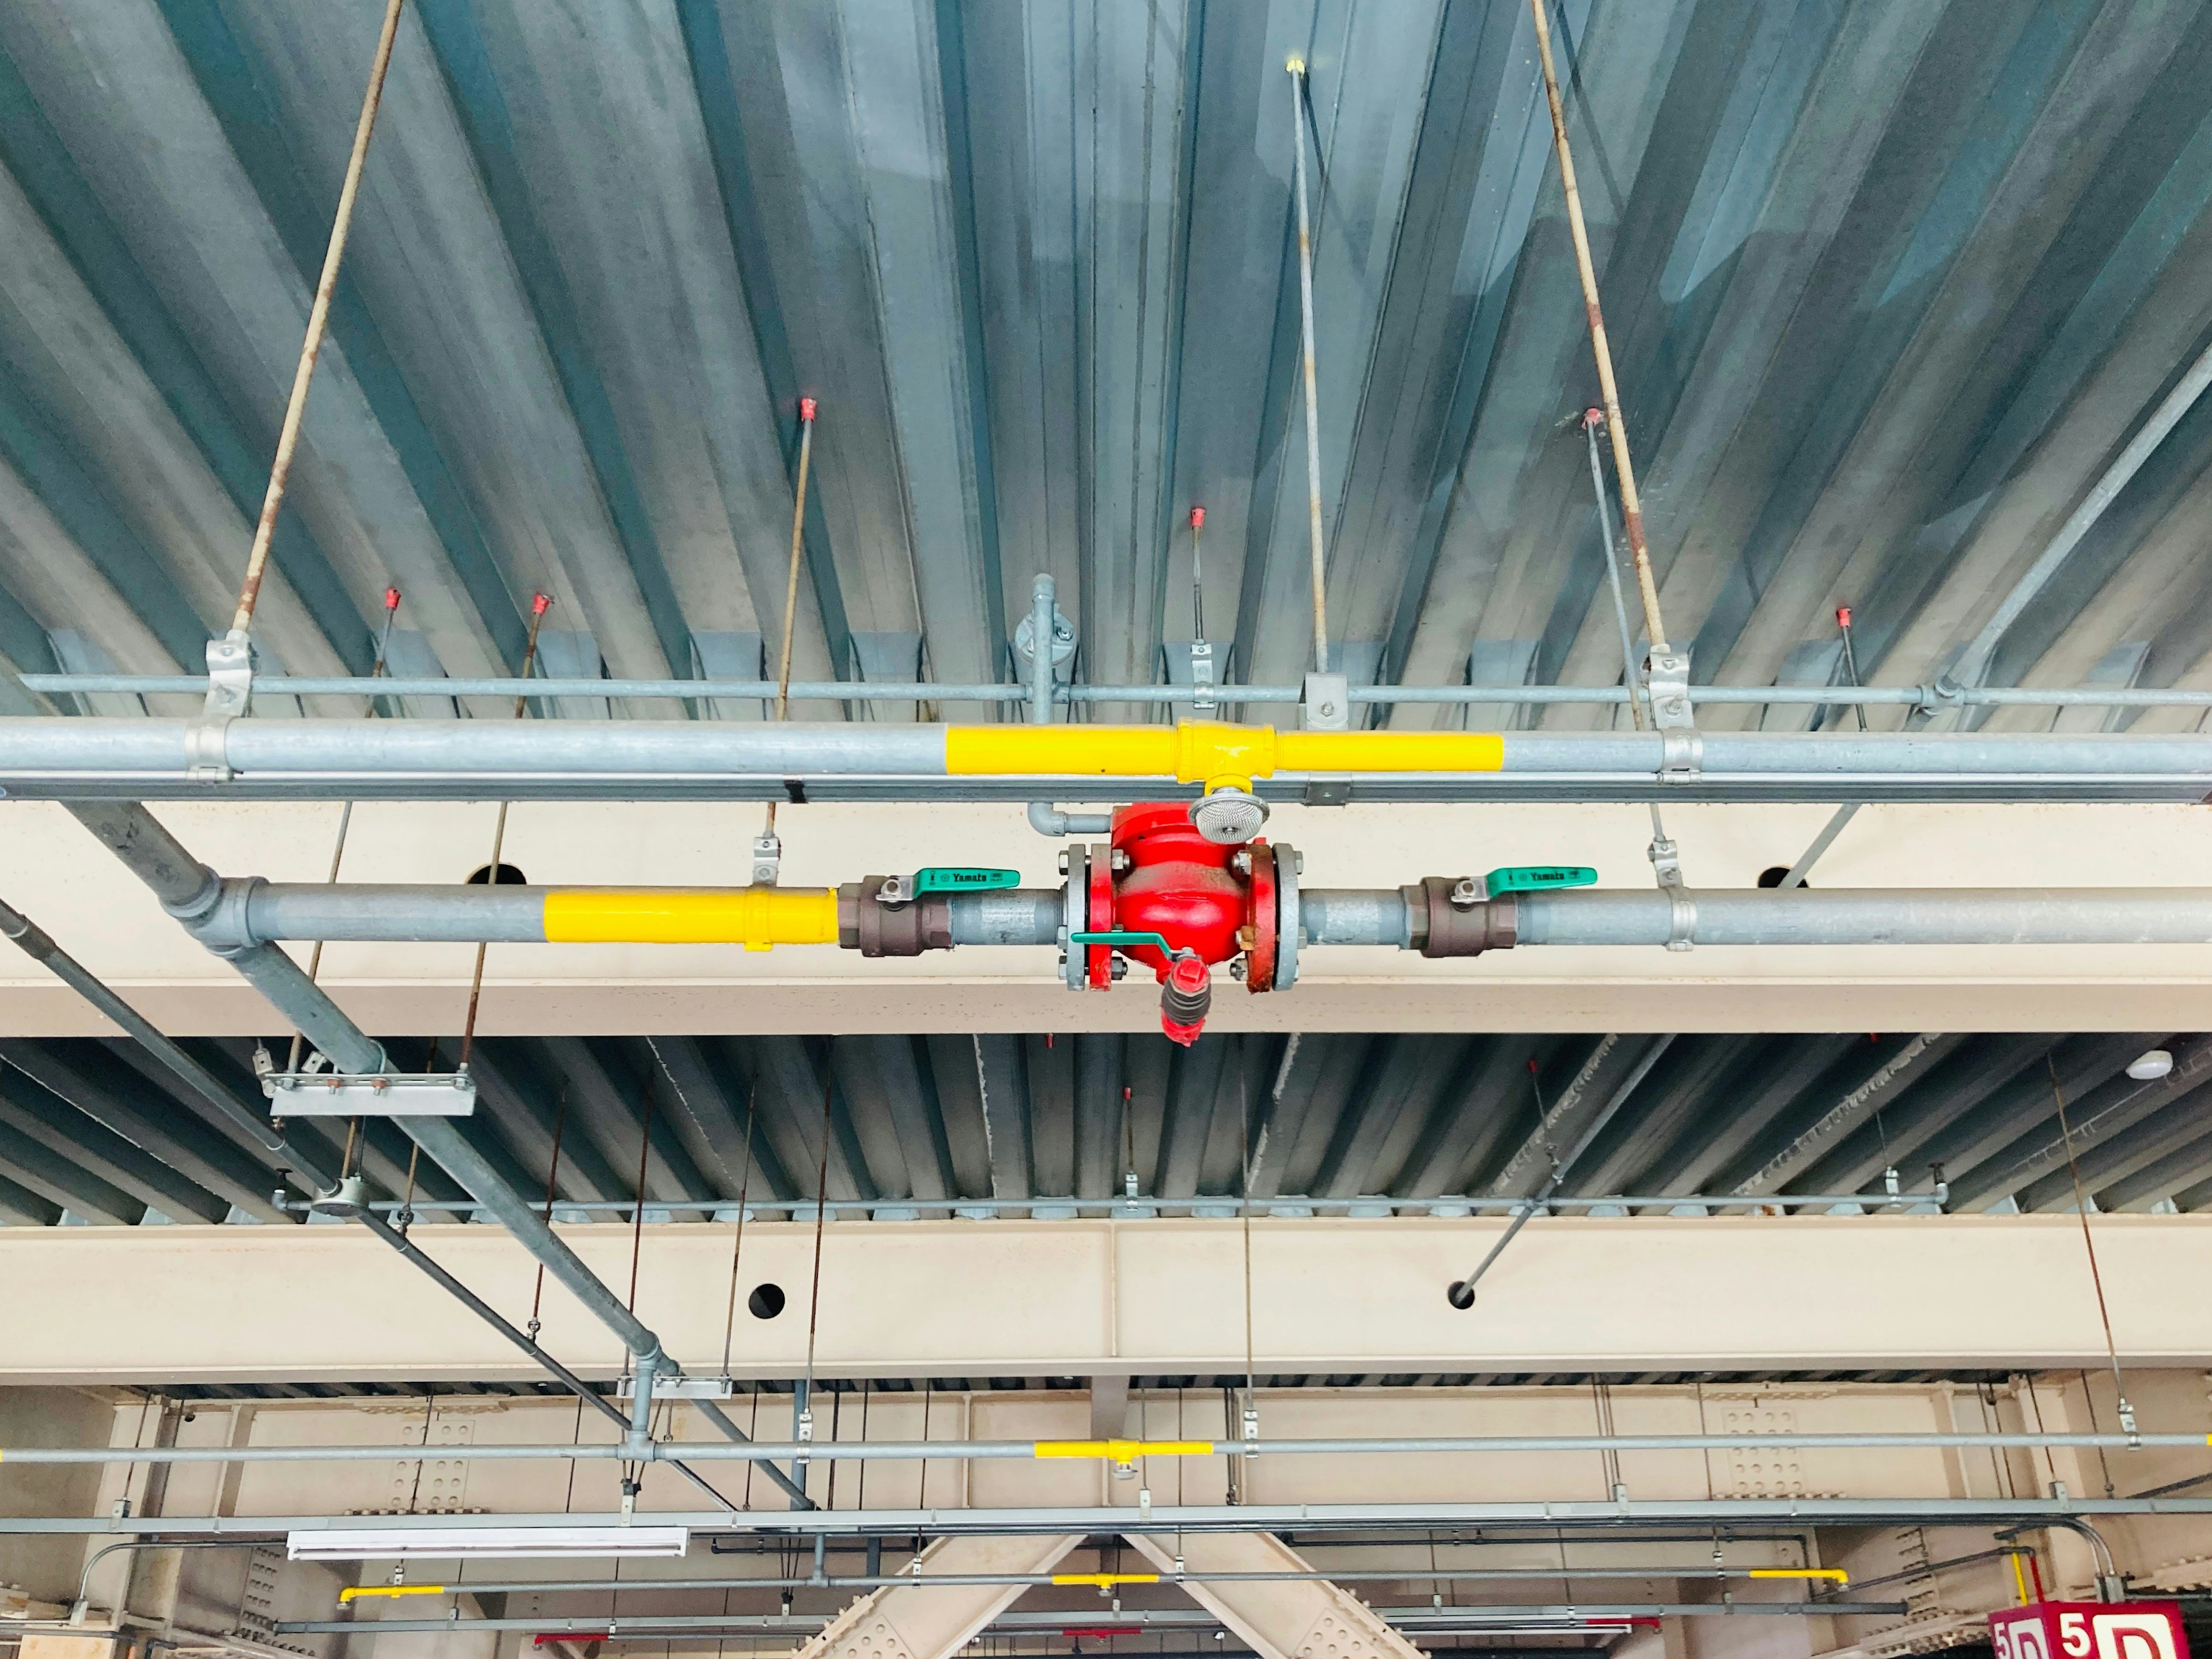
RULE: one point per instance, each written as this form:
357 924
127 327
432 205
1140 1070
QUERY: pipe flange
1260 948
1289 863
1075 915
1098 960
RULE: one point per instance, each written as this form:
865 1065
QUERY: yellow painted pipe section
755 917
354 1592
1836 1574
1204 751
1123 1452
1104 1579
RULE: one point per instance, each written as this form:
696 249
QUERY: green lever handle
1120 937
962 879
1538 879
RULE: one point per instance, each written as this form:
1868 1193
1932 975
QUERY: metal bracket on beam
371 1094
1327 705
229 695
679 1388
1666 685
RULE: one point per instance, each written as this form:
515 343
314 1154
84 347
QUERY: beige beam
933 1621
109 922
1093 1297
1306 1619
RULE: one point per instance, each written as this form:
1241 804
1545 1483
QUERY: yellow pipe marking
1209 752
1836 1574
354 1592
1123 1452
1390 751
755 917
1104 1579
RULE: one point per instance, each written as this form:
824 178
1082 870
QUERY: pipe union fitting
1441 928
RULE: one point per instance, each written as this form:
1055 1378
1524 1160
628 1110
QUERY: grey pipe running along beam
1701 1574
1906 696
2028 915
1597 1515
249 913
1500 1618
253 911
889 1451
84 758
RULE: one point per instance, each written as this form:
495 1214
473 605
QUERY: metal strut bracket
370 1094
229 695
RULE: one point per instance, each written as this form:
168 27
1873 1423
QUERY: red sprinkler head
1185 993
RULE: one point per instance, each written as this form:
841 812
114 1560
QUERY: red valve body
1178 885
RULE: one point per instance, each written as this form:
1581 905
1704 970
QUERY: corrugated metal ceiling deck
1888 285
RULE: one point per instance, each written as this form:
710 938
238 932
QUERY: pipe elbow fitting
1440 927
1048 820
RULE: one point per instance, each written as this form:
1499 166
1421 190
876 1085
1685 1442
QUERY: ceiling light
2145 1067
510 1543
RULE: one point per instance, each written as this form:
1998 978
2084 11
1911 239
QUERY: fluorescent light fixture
485 1543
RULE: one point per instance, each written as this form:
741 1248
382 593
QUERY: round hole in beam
509 876
766 1302
1459 1294
1775 874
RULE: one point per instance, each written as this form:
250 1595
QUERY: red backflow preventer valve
1162 893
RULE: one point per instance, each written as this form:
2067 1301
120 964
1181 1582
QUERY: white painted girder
1088 1297
1306 1619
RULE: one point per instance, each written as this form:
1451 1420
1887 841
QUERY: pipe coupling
903 927
1442 927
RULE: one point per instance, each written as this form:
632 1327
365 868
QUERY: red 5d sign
2089 1630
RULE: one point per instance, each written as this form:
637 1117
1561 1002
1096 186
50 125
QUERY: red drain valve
1186 993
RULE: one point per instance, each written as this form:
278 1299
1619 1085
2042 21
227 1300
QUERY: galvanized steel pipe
251 913
1118 1452
84 757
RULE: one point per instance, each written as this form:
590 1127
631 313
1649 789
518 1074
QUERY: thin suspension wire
345 814
1632 507
2089 1247
319 316
806 407
738 1250
552 1188
539 606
